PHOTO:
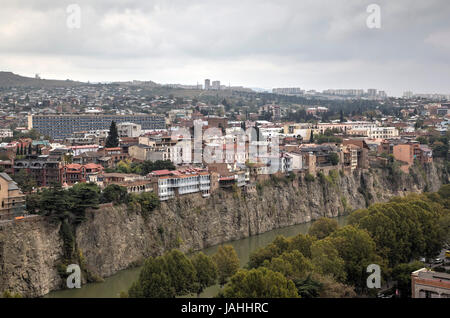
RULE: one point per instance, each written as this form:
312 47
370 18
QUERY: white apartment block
173 185
322 127
376 132
129 130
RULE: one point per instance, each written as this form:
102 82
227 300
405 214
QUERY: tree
311 138
326 260
341 115
148 201
68 158
334 158
404 228
55 203
206 271
123 167
32 203
358 250
308 287
112 140
331 288
30 149
181 272
259 283
302 243
154 281
25 181
323 227
83 196
227 262
274 249
401 273
293 265
114 193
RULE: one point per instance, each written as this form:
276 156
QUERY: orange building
74 173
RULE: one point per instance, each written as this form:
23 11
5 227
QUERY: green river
121 281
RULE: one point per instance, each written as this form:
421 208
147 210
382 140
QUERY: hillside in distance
9 79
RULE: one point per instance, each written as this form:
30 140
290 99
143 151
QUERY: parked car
438 260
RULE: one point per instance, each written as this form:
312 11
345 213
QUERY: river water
121 281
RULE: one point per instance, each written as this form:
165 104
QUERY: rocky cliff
114 238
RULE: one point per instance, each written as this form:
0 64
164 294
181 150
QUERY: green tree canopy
181 272
260 283
401 273
114 193
326 260
293 265
206 271
113 136
154 281
323 227
404 228
227 262
358 250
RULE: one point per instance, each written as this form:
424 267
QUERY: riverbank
116 238
121 281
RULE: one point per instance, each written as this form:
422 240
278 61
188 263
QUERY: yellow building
12 199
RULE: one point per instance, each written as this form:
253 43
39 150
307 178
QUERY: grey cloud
303 34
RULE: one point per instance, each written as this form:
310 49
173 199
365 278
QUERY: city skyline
312 44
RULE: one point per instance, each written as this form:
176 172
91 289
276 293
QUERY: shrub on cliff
8 294
115 194
309 177
148 201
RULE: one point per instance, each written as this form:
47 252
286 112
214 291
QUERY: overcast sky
309 44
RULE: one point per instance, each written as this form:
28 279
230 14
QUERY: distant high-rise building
408 95
207 84
372 92
288 91
216 85
382 94
344 92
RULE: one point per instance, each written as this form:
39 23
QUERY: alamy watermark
73 20
240 146
74 279
373 21
374 279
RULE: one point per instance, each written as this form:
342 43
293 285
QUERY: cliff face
29 252
115 238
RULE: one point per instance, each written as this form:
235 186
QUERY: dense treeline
59 204
392 235
142 168
174 274
329 261
68 208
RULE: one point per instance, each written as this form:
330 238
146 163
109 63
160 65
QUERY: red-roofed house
74 173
